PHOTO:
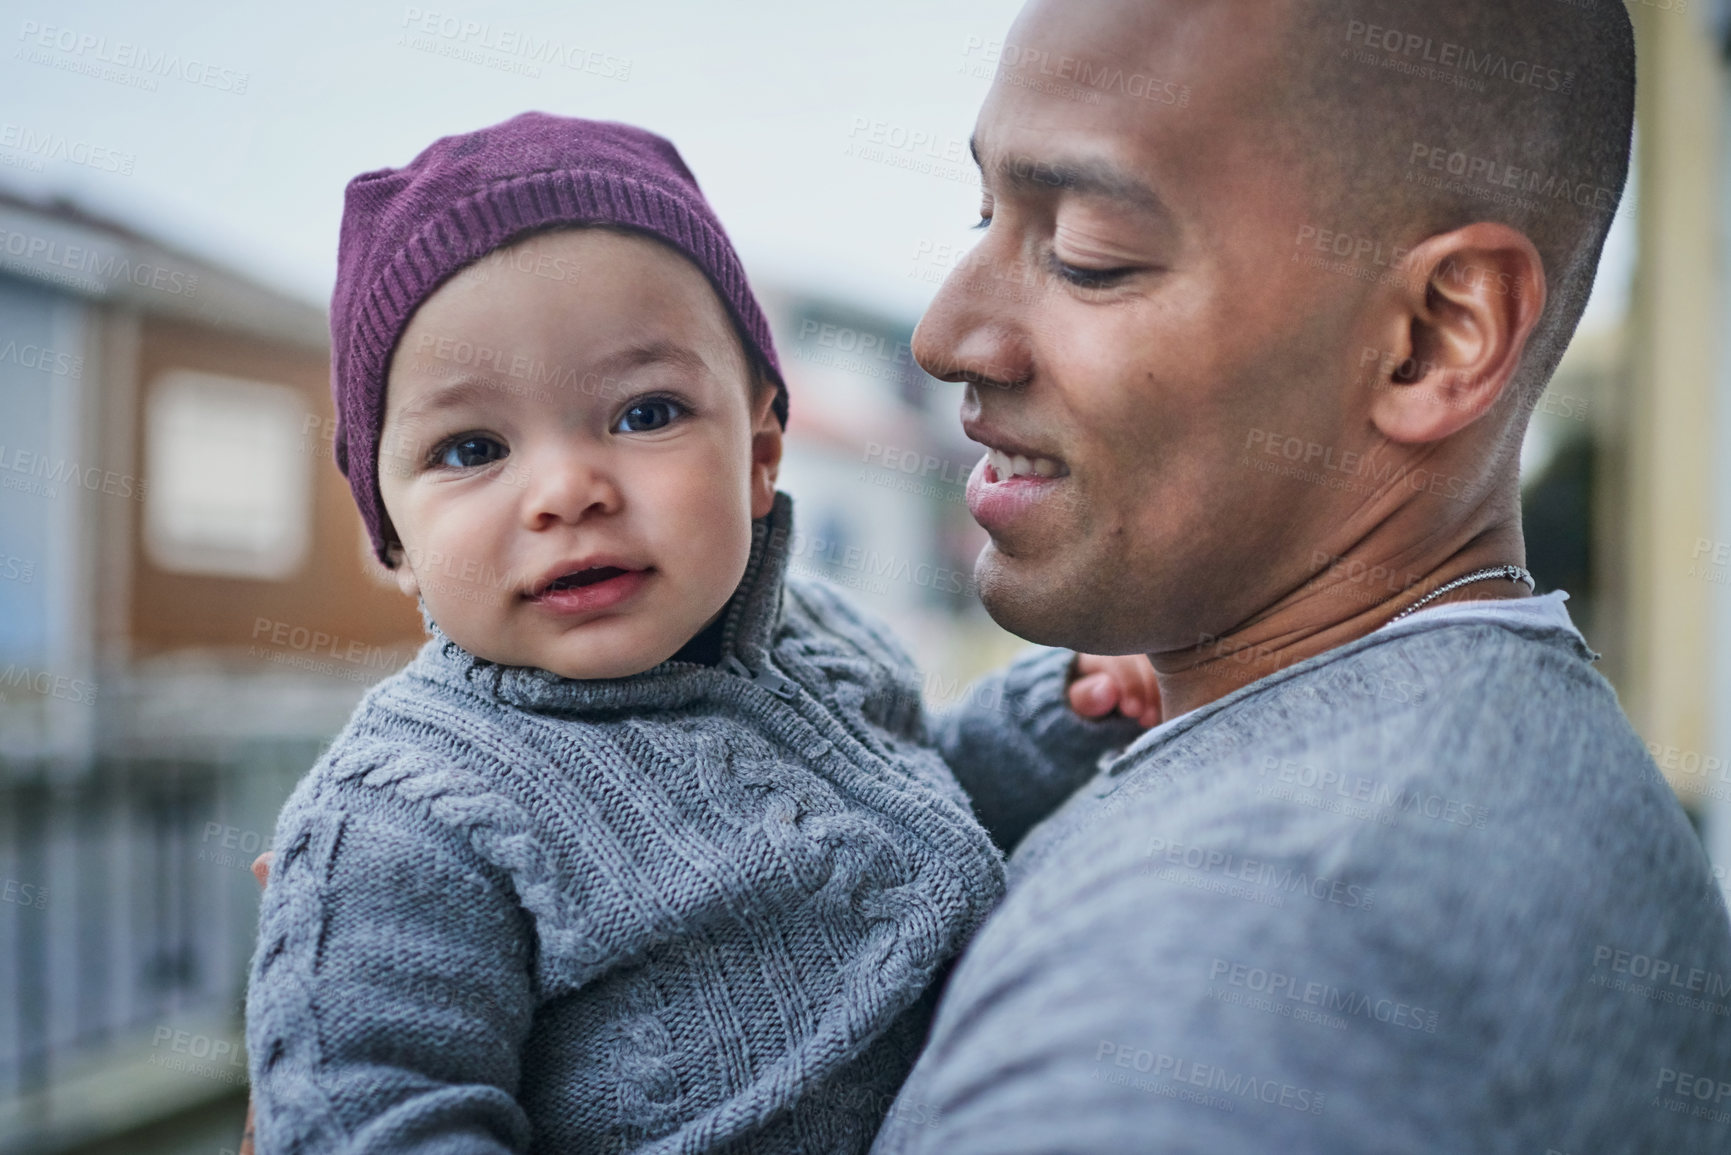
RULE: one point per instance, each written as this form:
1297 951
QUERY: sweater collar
1560 633
748 631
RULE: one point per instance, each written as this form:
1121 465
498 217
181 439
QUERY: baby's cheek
709 559
456 611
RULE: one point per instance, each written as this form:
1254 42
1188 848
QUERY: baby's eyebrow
465 390
452 395
662 351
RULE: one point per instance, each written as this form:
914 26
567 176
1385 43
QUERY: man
1394 873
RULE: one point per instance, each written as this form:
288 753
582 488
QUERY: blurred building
1663 518
184 621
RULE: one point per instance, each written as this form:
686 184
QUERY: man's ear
1456 325
766 438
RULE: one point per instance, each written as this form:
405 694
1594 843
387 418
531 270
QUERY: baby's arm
390 996
1018 745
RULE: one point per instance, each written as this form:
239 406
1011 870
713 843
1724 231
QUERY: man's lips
1001 466
1006 486
1009 458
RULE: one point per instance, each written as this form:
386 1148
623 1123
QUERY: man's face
568 455
1134 315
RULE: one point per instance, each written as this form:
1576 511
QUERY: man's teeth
1006 465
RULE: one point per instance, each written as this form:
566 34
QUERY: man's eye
648 416
469 452
984 222
1089 278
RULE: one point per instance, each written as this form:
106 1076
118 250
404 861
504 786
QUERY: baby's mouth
583 577
588 589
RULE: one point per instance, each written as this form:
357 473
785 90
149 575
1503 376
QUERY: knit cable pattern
737 887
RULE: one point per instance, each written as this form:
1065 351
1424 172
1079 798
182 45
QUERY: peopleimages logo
187 1053
1349 470
304 648
48 684
44 145
41 474
513 44
1662 972
1072 77
1492 173
87 50
1411 48
24 894
1378 796
112 267
1173 1069
57 363
1279 985
1166 857
1700 1096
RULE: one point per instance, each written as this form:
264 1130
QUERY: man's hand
1126 684
260 871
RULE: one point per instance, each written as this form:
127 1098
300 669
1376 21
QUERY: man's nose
975 328
565 487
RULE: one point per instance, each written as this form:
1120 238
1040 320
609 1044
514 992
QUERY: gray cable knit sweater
694 910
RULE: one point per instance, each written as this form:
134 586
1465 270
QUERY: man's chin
1043 600
1063 600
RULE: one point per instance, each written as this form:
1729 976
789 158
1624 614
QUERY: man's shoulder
1457 725
1325 902
1447 705
1498 682
1426 825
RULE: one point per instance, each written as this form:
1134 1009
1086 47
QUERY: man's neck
1351 598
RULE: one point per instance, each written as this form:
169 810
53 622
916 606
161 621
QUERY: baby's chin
584 654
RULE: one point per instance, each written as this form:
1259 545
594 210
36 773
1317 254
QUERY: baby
651 848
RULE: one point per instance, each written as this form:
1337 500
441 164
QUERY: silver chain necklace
1513 573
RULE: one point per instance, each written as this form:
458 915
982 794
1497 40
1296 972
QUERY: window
229 481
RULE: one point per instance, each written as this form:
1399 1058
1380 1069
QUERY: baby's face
573 453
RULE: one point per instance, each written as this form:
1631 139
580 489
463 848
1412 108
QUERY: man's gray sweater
693 910
1423 893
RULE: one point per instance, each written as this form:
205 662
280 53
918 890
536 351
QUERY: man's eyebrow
1091 178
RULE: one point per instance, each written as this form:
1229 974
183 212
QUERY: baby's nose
562 488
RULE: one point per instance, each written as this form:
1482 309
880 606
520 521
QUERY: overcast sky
763 97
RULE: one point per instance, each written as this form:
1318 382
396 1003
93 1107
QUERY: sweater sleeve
1017 747
390 995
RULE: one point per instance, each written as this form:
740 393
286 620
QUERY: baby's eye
648 416
469 452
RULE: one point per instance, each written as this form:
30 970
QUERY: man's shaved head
1414 119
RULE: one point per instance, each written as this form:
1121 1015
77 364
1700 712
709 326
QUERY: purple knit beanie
406 230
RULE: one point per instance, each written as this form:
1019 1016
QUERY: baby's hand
260 871
1125 684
